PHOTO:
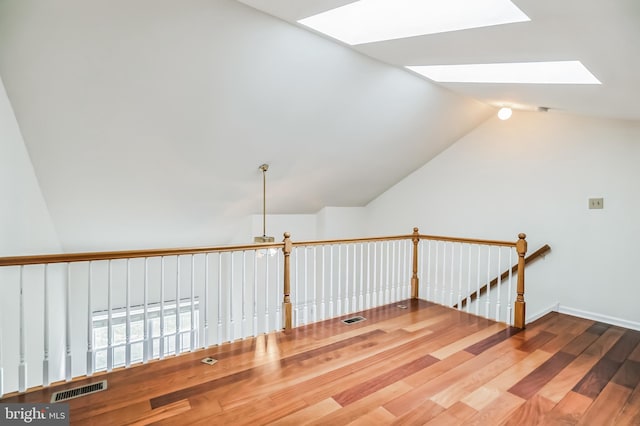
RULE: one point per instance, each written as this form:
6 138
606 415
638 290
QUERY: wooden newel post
520 305
414 277
286 305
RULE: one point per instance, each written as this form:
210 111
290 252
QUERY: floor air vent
353 320
79 391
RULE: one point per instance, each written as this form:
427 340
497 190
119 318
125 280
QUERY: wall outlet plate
596 203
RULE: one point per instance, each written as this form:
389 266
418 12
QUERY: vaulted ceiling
603 35
155 114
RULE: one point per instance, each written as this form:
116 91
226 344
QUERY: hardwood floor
425 364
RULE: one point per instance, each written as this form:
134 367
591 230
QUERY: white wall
302 227
534 174
341 222
147 120
25 224
25 227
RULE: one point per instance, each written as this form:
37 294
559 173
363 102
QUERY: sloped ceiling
146 120
603 35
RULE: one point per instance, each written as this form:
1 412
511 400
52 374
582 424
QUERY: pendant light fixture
264 238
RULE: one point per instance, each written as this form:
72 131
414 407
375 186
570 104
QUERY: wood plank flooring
424 364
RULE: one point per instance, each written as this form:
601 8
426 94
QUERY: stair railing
73 315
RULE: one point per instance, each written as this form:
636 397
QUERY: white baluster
380 300
429 282
499 283
266 295
109 317
306 286
451 277
374 276
243 299
388 276
459 301
397 266
315 284
381 276
323 285
368 296
46 380
219 340
127 349
392 263
397 262
361 299
407 266
437 266
205 340
255 290
68 361
478 283
339 296
22 366
296 293
279 293
90 354
147 343
399 271
354 305
331 314
162 341
488 302
178 345
231 325
469 280
193 336
421 266
346 279
443 297
509 307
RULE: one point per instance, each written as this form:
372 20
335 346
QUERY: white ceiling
603 35
146 120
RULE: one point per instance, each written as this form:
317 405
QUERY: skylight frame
549 72
367 21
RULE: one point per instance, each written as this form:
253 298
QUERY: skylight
367 21
559 72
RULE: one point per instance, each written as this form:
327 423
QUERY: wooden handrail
130 254
532 257
406 237
468 240
127 254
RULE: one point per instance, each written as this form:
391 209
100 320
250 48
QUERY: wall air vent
353 320
79 391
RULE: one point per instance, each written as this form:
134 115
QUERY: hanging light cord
264 169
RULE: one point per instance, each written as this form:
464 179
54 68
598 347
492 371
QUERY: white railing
60 320
66 316
471 276
331 279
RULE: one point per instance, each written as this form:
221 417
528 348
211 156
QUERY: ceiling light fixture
368 21
264 238
555 72
504 113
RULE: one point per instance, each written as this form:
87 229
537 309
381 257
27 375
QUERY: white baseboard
599 317
553 308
